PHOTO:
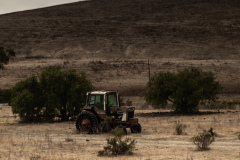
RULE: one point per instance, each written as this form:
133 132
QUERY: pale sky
8 6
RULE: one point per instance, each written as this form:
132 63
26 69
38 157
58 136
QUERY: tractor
103 104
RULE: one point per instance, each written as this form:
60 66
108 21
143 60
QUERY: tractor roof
101 92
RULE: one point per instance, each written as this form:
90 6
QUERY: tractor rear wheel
136 129
87 122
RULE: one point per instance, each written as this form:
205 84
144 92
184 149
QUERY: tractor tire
136 129
87 122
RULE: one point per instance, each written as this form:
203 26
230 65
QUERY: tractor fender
100 114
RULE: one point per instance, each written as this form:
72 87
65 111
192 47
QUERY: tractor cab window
97 101
111 100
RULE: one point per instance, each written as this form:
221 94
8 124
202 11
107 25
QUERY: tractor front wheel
136 129
87 122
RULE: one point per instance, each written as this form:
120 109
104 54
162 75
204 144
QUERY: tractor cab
103 100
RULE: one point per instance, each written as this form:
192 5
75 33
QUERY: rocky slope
189 29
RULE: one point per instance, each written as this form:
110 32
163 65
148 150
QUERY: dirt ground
158 139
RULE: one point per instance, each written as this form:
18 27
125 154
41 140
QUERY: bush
180 127
129 102
117 146
105 126
26 100
54 93
203 140
5 55
184 89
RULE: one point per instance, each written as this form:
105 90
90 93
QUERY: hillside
112 40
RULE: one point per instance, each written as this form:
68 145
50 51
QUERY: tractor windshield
111 100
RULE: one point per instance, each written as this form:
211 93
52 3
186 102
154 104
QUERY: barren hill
112 40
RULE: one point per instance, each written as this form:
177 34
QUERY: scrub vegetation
184 89
54 93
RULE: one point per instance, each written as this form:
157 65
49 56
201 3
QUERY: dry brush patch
158 139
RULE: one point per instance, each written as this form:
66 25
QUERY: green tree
4 56
184 89
27 100
53 93
65 90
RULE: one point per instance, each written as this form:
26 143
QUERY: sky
8 6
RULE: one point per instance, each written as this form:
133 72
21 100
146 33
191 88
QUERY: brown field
158 139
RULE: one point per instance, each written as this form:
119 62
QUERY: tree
184 89
27 100
54 93
5 55
65 90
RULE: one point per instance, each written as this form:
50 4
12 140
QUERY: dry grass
157 140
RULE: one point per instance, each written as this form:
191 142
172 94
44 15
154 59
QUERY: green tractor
102 104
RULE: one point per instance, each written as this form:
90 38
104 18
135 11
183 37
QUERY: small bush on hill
5 55
129 102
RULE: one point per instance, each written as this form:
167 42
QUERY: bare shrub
179 127
203 140
116 145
